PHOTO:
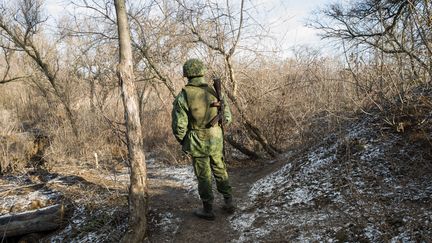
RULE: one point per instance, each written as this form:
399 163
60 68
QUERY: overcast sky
286 19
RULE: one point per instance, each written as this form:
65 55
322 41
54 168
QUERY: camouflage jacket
191 115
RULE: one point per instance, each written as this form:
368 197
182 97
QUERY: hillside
363 184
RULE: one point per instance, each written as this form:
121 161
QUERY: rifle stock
217 119
220 118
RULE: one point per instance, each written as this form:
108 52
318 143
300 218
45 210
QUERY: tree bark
44 219
138 174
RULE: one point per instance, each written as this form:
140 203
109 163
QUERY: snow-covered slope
360 185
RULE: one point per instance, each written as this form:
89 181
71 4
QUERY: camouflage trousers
204 167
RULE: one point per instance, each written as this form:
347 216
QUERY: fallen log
43 219
241 148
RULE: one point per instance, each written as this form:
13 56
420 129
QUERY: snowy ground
345 189
19 193
181 177
94 217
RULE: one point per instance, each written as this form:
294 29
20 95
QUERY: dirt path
100 202
171 205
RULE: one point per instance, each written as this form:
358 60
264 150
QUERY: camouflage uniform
191 116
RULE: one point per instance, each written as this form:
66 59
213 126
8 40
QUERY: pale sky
285 19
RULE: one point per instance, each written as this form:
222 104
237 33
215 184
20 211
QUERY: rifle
220 104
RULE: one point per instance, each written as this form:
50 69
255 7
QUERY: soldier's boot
206 212
229 206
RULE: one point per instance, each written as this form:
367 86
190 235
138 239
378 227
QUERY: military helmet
194 68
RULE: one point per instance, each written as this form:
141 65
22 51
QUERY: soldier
193 109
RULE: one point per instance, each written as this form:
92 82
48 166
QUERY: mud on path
173 198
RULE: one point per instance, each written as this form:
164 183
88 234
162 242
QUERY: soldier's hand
215 104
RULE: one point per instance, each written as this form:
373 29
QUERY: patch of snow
300 195
243 221
23 202
303 238
77 219
403 237
372 233
371 152
319 158
182 176
266 185
90 237
320 193
168 223
85 227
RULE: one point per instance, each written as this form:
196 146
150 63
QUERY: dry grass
16 148
294 102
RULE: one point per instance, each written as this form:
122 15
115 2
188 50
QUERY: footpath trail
173 197
99 201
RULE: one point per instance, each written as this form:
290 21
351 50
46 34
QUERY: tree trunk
44 219
138 175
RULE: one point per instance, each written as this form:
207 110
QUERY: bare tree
148 67
164 40
7 77
159 40
20 25
219 28
138 173
397 29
